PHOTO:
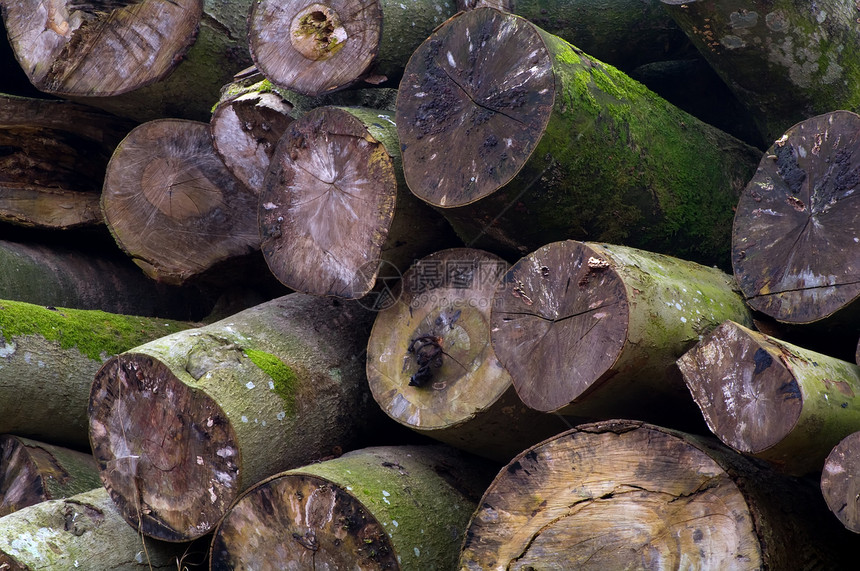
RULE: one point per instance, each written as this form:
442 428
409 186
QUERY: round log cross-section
796 237
840 481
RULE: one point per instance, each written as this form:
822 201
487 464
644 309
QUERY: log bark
53 156
144 59
56 275
336 44
594 329
795 239
627 495
784 61
48 358
431 366
182 425
334 209
521 150
840 484
33 472
81 532
392 507
771 399
622 33
165 180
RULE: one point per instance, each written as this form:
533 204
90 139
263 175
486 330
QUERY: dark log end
797 227
840 484
561 304
171 475
21 484
473 103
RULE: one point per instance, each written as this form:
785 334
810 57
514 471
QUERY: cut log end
749 398
21 484
840 484
562 304
327 205
303 519
474 101
797 226
193 454
329 46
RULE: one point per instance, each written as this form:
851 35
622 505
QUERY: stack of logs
435 286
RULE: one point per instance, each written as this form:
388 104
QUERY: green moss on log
283 377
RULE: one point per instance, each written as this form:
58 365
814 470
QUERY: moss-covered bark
226 405
48 358
395 507
772 399
522 139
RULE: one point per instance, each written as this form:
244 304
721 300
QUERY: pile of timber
472 284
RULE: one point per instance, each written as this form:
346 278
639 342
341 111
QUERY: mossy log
795 246
270 388
55 275
53 156
772 399
32 472
594 330
48 358
144 60
165 180
334 209
313 48
522 139
253 114
622 33
392 507
626 495
84 531
785 61
431 366
840 481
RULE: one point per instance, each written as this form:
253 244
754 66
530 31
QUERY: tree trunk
334 210
840 484
627 495
165 180
145 59
393 507
795 240
226 405
32 472
523 140
48 358
785 61
53 156
771 399
431 367
594 329
622 33
253 114
81 532
53 275
338 43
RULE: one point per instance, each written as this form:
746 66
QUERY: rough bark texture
180 426
795 246
771 399
523 139
840 483
48 358
431 366
53 275
387 507
594 329
334 210
312 47
32 472
81 532
785 61
165 180
627 495
53 156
